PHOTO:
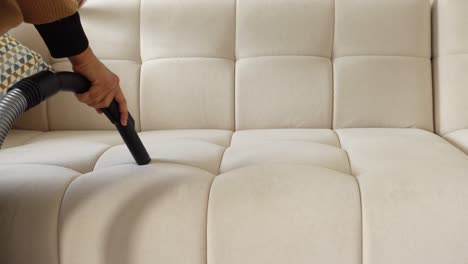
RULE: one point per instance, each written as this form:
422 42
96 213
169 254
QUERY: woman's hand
104 84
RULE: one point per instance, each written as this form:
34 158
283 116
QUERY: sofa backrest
450 27
382 64
227 64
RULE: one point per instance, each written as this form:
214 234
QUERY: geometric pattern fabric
17 62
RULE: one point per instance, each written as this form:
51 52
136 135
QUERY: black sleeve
64 37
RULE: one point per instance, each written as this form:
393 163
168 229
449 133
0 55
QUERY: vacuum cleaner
31 91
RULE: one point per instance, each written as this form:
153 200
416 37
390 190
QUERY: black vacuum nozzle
128 134
41 86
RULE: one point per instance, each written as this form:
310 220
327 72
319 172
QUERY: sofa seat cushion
258 189
411 181
268 136
459 138
284 213
318 147
136 214
202 149
30 200
18 137
213 136
163 206
77 150
207 149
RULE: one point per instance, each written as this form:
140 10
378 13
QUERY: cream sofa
281 131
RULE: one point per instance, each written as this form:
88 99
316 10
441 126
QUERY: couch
280 131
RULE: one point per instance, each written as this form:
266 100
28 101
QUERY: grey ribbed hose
11 106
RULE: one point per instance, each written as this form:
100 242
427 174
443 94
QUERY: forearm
59 24
64 37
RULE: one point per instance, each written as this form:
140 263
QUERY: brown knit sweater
13 12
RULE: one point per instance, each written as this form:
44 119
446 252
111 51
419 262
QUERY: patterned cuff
64 37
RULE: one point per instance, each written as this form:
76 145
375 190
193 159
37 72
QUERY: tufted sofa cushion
280 131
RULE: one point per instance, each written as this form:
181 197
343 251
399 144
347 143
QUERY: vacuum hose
31 91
